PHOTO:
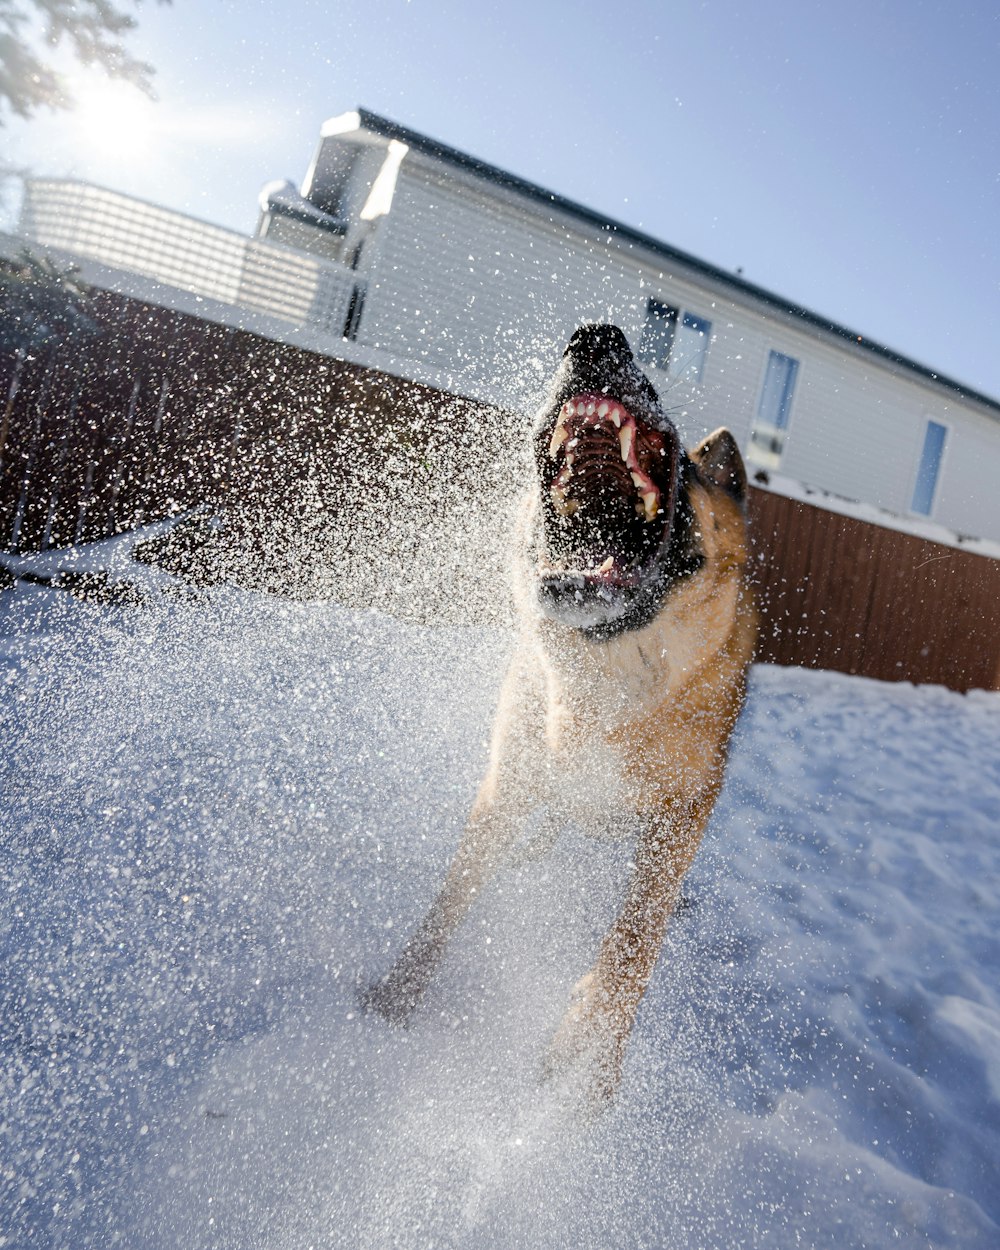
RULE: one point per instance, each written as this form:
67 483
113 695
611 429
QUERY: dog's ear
720 463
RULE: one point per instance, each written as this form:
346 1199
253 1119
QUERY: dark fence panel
839 593
163 411
99 433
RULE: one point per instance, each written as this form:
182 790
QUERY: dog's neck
628 676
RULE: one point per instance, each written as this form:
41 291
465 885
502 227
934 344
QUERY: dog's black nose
601 345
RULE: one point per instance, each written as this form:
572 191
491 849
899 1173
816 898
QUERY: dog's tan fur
628 734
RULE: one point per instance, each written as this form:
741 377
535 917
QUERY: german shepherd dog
637 631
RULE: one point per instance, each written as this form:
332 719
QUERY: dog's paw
588 1048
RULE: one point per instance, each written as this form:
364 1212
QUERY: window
355 308
674 343
658 334
774 409
690 347
929 468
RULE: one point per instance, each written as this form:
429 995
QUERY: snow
220 820
919 527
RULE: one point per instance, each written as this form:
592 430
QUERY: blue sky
846 156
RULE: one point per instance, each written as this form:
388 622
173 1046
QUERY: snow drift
220 820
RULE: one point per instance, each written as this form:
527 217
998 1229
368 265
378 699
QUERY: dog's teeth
591 409
565 507
649 496
581 409
616 417
568 408
625 437
608 564
602 408
558 438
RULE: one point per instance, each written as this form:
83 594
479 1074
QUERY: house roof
387 129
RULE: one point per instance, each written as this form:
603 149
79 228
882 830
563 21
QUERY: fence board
836 592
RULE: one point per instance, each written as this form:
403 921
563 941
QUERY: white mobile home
471 273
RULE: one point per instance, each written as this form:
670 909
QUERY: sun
114 119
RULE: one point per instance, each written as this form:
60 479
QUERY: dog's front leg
505 797
595 1029
482 849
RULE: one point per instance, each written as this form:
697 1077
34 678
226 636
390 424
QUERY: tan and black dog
637 631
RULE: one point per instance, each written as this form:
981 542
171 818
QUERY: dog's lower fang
564 506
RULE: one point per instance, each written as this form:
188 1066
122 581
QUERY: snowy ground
219 820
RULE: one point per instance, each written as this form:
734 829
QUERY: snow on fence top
789 488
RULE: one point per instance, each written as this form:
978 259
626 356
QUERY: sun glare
114 119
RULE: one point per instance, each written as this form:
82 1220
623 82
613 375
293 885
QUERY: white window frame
771 458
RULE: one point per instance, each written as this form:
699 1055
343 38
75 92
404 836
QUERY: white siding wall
467 282
968 497
854 425
728 390
470 278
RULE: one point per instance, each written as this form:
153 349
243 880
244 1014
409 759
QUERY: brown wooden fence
840 593
163 411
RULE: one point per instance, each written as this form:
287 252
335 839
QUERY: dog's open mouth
609 487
